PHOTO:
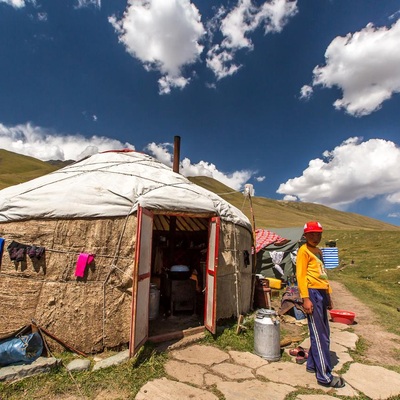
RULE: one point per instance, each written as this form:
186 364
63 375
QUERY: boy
315 291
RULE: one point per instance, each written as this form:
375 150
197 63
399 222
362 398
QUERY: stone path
200 372
204 372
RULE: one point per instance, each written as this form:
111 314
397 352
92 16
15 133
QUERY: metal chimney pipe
177 151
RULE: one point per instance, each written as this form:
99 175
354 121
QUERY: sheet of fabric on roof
111 184
281 244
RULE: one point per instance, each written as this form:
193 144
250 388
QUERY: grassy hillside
15 168
277 214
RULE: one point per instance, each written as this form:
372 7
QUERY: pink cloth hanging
84 259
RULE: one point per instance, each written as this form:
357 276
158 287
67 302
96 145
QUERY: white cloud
221 62
164 35
235 180
14 3
88 3
260 178
365 66
45 145
236 26
306 92
166 83
161 152
353 171
168 35
40 143
395 15
42 16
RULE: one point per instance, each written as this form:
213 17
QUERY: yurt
100 250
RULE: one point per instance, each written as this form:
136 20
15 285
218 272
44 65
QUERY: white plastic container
267 335
154 302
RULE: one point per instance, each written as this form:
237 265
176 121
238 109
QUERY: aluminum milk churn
267 335
154 302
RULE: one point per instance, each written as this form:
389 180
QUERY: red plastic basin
342 316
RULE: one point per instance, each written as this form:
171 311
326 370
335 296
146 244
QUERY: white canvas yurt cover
93 208
108 185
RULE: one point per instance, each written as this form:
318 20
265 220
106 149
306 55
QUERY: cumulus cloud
45 145
40 143
88 3
353 171
164 35
169 36
42 16
235 180
15 3
306 92
237 24
365 66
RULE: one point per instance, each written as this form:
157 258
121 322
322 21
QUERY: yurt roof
112 184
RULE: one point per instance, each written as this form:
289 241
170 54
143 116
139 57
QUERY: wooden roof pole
177 150
172 221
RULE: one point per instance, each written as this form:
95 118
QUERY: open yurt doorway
171 274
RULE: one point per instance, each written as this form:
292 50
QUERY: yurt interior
178 261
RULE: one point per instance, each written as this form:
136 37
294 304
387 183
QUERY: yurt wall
234 271
90 312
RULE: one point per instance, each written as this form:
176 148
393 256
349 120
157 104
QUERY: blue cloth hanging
1 249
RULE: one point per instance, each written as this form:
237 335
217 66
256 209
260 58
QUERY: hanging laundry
35 252
17 251
277 257
84 259
1 249
40 252
293 256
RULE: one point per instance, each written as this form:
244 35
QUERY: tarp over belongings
276 258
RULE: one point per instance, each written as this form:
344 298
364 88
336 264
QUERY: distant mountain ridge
270 213
267 213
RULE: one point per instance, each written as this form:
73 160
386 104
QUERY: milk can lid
264 312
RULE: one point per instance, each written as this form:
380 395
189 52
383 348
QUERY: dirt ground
382 345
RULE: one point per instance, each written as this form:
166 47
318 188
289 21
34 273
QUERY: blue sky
301 99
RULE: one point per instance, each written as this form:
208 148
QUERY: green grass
227 339
370 269
16 168
127 378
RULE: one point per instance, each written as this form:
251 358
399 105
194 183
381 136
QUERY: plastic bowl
180 268
342 316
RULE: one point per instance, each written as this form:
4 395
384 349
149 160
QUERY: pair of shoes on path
300 353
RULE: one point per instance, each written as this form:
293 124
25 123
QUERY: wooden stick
239 324
58 340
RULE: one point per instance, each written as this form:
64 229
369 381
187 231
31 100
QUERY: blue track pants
319 358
